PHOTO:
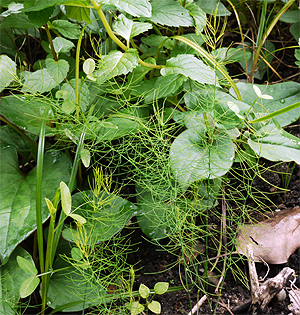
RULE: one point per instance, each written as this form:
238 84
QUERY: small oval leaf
161 287
144 291
28 286
26 265
89 66
154 307
66 201
78 218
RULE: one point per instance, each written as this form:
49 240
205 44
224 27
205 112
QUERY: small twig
266 264
224 305
196 307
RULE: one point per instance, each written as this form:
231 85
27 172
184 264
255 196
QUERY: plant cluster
125 109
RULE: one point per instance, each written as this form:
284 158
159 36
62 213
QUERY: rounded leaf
154 307
144 291
89 66
161 287
193 158
135 307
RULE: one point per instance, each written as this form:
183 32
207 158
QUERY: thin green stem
71 185
77 72
51 42
39 219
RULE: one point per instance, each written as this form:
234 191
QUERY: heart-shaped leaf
193 158
17 196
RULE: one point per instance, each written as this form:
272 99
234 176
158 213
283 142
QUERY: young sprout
258 93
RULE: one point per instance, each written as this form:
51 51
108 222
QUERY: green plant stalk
241 34
262 22
211 60
71 185
77 72
276 113
111 34
268 31
39 220
51 42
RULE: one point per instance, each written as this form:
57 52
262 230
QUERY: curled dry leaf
274 239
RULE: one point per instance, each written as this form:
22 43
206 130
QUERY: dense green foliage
131 104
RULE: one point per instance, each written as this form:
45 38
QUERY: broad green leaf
7 71
67 92
213 7
66 200
7 45
26 113
144 291
275 144
39 81
72 290
284 94
116 63
198 15
135 307
156 40
76 253
66 28
291 16
161 287
57 69
171 13
11 278
79 13
12 8
41 17
191 67
27 266
133 7
37 5
62 45
153 221
105 215
9 137
128 29
28 286
160 87
19 20
193 158
295 31
17 196
155 307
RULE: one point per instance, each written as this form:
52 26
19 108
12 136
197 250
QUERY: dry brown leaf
274 239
